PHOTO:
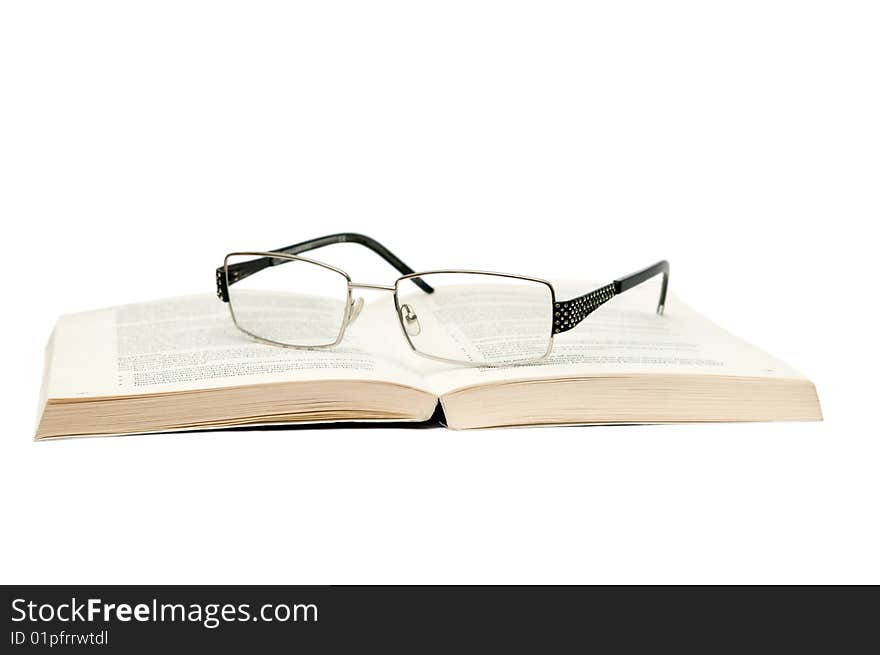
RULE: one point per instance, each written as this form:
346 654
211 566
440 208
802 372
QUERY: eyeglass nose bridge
365 285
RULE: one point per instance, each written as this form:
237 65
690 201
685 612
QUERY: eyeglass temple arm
241 270
568 313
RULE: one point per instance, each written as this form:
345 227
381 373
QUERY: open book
180 364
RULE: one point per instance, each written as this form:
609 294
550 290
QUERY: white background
139 142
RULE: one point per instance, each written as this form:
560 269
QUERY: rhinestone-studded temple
568 313
235 272
222 293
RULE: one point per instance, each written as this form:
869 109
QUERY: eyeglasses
475 318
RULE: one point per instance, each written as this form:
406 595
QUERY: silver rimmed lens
287 300
478 318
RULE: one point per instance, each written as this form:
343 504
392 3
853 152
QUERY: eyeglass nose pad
410 321
355 311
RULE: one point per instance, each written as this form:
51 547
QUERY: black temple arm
635 279
241 270
568 313
349 237
238 272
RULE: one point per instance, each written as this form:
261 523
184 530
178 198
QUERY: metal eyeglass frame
566 313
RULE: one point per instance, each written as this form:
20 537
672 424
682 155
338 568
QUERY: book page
190 343
623 337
